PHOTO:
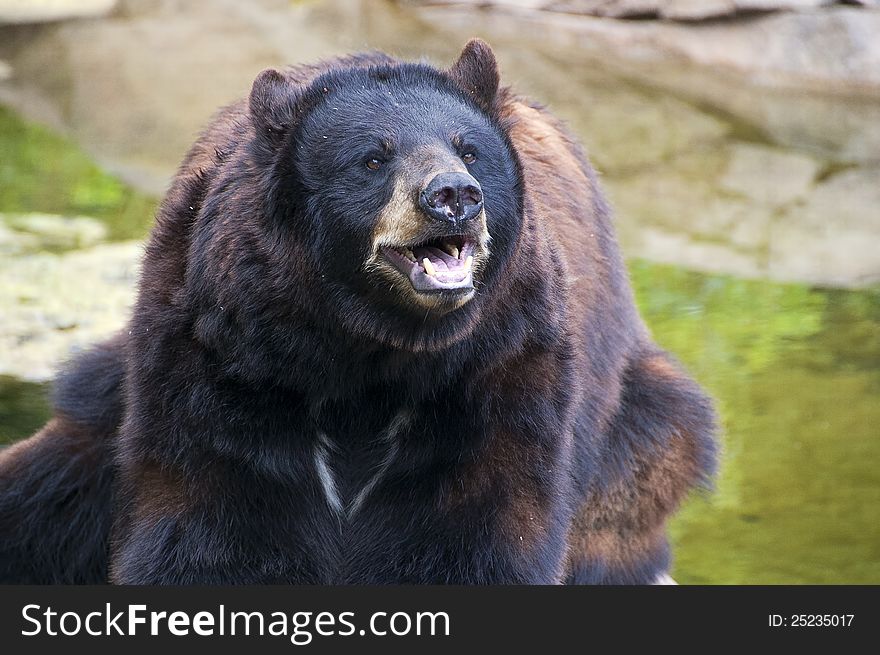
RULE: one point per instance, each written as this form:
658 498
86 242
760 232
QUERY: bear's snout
453 197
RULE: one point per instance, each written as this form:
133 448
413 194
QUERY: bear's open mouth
444 264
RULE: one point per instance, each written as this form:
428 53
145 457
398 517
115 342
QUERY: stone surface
786 227
769 176
686 10
13 242
834 236
695 9
843 128
837 47
809 80
706 9
38 11
56 304
827 48
653 133
32 232
607 8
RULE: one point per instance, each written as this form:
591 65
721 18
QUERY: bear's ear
272 104
476 72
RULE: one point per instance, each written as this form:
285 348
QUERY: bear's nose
453 197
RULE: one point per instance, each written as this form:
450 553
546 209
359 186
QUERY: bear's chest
377 480
352 458
359 492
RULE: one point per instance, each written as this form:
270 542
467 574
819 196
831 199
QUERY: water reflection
796 372
23 408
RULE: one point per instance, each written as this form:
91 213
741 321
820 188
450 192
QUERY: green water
795 371
796 374
23 408
42 172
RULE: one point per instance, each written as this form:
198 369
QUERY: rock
685 10
663 127
696 9
808 80
56 304
678 249
13 242
835 48
677 214
706 9
39 11
50 232
712 211
769 176
606 8
830 49
134 90
842 128
837 227
626 128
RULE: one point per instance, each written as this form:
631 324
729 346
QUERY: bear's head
399 183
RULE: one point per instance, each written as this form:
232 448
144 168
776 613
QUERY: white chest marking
325 474
323 448
401 420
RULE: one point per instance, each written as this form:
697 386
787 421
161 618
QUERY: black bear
383 335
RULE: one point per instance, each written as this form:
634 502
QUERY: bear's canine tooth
408 253
451 249
429 267
468 262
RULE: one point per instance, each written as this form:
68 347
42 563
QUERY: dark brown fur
572 437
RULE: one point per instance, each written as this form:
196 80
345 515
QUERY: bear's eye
374 164
469 158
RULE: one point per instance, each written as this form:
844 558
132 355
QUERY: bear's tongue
440 263
441 260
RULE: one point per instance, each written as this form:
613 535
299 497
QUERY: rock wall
805 44
39 11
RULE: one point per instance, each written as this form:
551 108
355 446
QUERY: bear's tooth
451 249
468 262
408 253
429 267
